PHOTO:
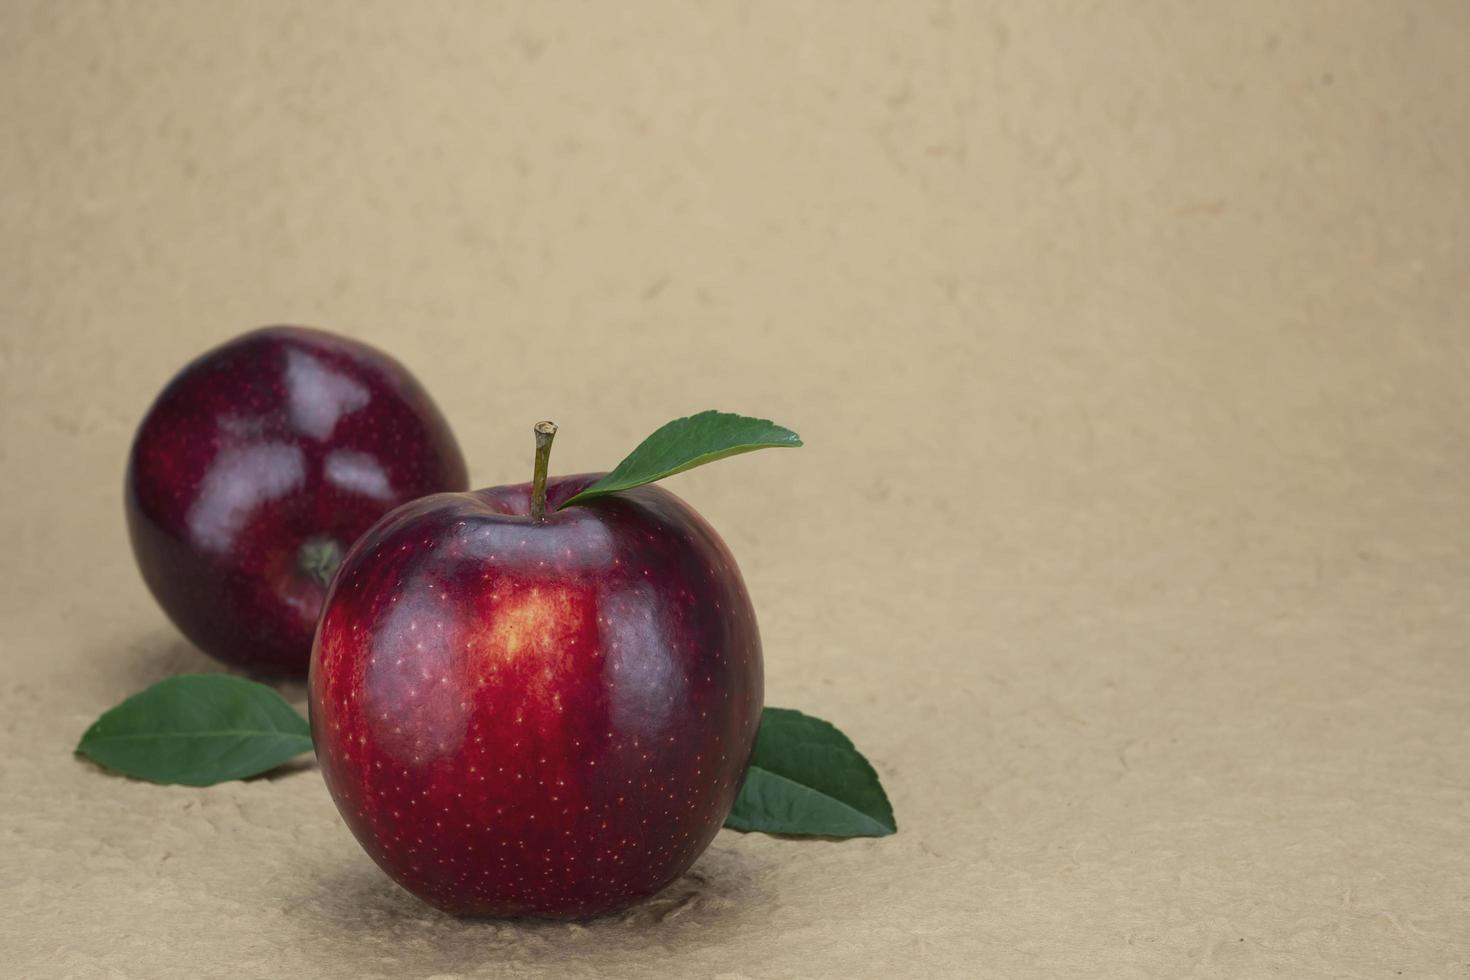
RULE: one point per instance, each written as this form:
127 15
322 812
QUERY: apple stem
545 432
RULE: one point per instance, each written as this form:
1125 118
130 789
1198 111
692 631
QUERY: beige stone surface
1130 541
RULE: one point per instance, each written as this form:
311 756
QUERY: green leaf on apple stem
686 443
197 730
807 778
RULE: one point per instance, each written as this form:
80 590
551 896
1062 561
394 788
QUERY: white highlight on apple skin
642 676
407 685
239 481
317 397
483 542
358 473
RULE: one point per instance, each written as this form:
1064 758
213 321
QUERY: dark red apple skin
536 719
280 438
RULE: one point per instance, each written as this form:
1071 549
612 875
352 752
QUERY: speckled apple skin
523 719
279 437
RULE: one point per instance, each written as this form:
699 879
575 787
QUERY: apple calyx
319 558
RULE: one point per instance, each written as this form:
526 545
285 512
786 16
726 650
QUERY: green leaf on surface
686 443
197 730
807 778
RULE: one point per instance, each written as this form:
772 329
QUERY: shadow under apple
364 909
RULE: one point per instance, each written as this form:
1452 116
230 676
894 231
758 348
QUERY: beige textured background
1129 343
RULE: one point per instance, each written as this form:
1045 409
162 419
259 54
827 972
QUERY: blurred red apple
257 468
522 712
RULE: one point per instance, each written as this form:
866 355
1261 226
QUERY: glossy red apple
257 467
548 716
